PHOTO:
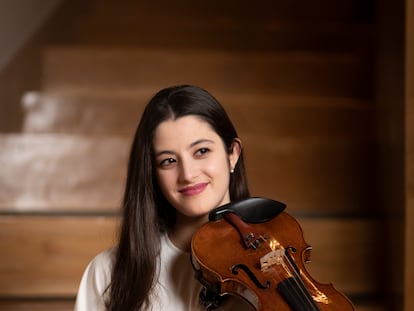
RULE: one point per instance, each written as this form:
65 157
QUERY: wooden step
314 174
226 25
335 257
109 113
44 256
62 172
341 10
225 33
57 172
60 247
119 113
282 73
222 32
320 25
32 304
300 116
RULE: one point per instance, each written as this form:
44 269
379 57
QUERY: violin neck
250 237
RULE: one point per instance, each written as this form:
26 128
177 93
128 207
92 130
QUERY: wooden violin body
270 275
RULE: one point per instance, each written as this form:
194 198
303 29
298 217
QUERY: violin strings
300 287
297 286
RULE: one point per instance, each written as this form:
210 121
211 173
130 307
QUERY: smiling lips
193 190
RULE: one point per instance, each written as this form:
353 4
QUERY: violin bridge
274 257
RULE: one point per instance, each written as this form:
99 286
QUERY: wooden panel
224 33
46 255
374 306
111 113
299 115
341 10
409 159
223 24
24 304
313 174
239 25
80 173
119 113
299 73
62 172
346 252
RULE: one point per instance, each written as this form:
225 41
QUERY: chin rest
252 210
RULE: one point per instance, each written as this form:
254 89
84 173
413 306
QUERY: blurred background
320 91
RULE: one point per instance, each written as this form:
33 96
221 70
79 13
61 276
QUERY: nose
188 170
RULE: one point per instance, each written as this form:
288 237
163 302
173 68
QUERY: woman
186 160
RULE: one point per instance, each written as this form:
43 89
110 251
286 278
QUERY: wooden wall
296 78
409 158
390 102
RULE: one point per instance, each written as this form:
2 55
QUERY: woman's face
192 165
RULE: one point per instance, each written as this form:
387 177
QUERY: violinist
186 159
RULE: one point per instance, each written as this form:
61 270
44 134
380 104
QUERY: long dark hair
146 212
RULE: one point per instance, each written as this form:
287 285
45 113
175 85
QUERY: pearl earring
232 171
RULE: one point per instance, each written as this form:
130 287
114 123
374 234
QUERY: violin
255 250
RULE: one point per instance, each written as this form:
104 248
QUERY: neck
183 230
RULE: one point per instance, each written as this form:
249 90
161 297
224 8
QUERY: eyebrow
195 143
200 141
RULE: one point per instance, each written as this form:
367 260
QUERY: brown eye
167 162
202 151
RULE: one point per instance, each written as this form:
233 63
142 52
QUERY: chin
198 212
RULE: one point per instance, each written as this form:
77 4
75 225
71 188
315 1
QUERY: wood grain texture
62 172
283 73
45 256
25 304
107 112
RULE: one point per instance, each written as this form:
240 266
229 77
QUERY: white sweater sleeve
95 280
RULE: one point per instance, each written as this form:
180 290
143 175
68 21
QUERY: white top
176 289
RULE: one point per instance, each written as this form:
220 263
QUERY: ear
234 153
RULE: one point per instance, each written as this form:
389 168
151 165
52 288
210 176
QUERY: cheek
218 166
164 181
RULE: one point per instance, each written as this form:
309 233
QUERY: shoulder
104 259
95 280
100 267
